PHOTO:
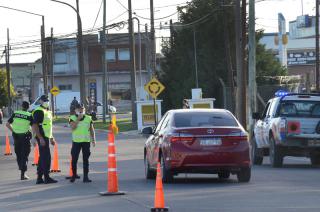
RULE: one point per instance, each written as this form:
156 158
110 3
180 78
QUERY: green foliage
3 89
178 68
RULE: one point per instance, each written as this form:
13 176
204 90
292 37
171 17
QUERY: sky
26 27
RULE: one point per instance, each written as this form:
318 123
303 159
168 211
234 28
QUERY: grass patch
60 119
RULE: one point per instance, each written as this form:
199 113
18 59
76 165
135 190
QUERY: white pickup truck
289 126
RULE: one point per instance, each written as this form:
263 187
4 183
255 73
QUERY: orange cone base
159 209
8 154
106 193
55 170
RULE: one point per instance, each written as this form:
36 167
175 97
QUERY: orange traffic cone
112 168
36 155
159 194
8 149
71 172
55 166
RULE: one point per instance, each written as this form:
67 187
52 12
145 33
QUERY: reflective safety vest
82 132
47 121
21 122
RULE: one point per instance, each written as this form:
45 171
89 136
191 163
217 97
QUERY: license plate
210 142
314 143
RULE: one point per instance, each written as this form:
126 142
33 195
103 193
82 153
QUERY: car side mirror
147 131
256 116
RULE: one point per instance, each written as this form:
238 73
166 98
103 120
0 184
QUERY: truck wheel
315 159
256 153
276 155
244 175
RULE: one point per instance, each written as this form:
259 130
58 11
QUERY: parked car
111 109
198 141
288 126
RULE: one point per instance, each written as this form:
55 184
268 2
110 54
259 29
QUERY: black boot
24 176
49 180
39 180
86 178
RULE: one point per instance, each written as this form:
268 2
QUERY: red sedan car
198 141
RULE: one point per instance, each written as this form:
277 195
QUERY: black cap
44 98
80 105
25 105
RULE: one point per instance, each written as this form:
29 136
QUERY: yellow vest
82 132
47 121
21 122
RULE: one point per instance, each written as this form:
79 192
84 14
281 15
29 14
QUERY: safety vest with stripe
82 132
21 122
47 121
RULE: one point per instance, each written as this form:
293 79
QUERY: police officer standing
42 127
20 125
82 134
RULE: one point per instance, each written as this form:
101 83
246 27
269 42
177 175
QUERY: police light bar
281 93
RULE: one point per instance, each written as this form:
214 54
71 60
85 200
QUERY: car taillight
238 138
181 139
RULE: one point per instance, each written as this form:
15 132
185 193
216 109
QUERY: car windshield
299 109
204 119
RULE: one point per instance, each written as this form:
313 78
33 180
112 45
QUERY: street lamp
80 52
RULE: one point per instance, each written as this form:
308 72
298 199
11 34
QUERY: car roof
198 110
298 96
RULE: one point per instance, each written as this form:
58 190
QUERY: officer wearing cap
82 134
42 127
20 125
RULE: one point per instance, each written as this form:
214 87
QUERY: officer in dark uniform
42 127
82 135
20 125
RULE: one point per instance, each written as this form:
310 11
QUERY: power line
122 5
95 21
156 18
171 5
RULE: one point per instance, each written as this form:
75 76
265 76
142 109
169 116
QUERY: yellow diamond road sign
55 91
154 87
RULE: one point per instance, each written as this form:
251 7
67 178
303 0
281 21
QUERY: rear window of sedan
204 119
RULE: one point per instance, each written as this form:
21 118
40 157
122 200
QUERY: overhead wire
95 21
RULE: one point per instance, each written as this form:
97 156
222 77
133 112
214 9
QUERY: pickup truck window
264 114
292 108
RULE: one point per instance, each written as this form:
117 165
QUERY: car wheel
244 175
224 175
167 176
315 159
149 173
256 153
276 155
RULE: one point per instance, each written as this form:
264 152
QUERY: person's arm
74 123
93 135
10 121
37 119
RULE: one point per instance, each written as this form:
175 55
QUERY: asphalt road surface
296 187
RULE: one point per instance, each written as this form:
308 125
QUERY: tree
3 89
210 22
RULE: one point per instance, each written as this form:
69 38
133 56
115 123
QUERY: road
296 187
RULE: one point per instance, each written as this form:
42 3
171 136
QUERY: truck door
264 124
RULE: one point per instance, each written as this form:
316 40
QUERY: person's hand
93 143
52 141
42 142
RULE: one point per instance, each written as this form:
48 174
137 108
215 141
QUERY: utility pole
105 110
80 59
148 52
152 39
239 65
133 67
244 62
51 71
252 65
44 60
195 56
317 47
7 49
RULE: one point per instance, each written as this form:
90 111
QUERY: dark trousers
75 151
22 148
44 159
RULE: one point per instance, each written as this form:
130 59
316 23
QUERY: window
264 114
110 55
124 54
160 123
65 87
299 109
204 119
60 58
